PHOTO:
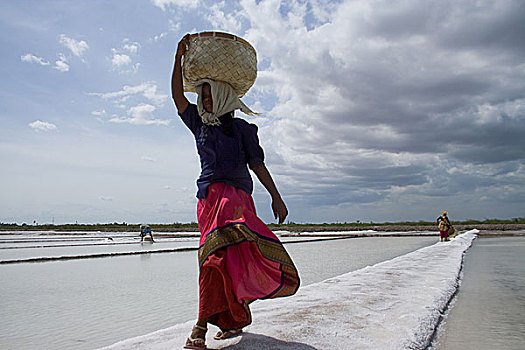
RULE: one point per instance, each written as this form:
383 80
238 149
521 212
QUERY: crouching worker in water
144 231
240 259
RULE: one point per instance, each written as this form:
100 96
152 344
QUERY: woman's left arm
279 208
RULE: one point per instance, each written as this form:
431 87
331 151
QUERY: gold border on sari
274 251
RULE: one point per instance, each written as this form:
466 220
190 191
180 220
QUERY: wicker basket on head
219 56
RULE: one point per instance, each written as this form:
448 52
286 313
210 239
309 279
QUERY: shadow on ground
262 342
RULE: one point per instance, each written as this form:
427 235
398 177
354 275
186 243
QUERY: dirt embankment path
485 229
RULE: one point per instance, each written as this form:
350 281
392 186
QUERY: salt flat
395 304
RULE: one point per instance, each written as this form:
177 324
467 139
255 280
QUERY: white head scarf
224 98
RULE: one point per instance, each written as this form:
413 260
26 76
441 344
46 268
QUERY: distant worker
444 226
145 230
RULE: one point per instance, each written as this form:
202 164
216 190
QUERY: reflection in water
489 312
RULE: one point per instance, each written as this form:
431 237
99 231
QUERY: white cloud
140 115
61 66
160 36
30 58
131 47
148 159
166 4
147 90
99 113
223 19
77 47
120 60
39 125
173 26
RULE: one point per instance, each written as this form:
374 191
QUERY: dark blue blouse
224 158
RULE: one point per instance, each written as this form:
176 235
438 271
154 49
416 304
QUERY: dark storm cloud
491 26
403 92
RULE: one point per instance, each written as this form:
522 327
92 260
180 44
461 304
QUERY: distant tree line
109 227
192 226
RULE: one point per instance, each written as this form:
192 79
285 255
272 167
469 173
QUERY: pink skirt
240 258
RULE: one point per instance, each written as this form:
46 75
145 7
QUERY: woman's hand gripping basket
219 56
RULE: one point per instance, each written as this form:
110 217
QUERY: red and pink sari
240 258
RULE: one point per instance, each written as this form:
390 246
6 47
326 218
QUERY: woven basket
219 56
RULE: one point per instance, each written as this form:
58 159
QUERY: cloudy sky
372 110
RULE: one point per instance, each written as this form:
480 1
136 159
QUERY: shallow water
489 310
22 248
89 303
84 249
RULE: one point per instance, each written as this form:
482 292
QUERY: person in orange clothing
444 226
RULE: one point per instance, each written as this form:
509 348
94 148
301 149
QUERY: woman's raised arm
177 89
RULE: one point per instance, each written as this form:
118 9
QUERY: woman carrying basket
240 259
